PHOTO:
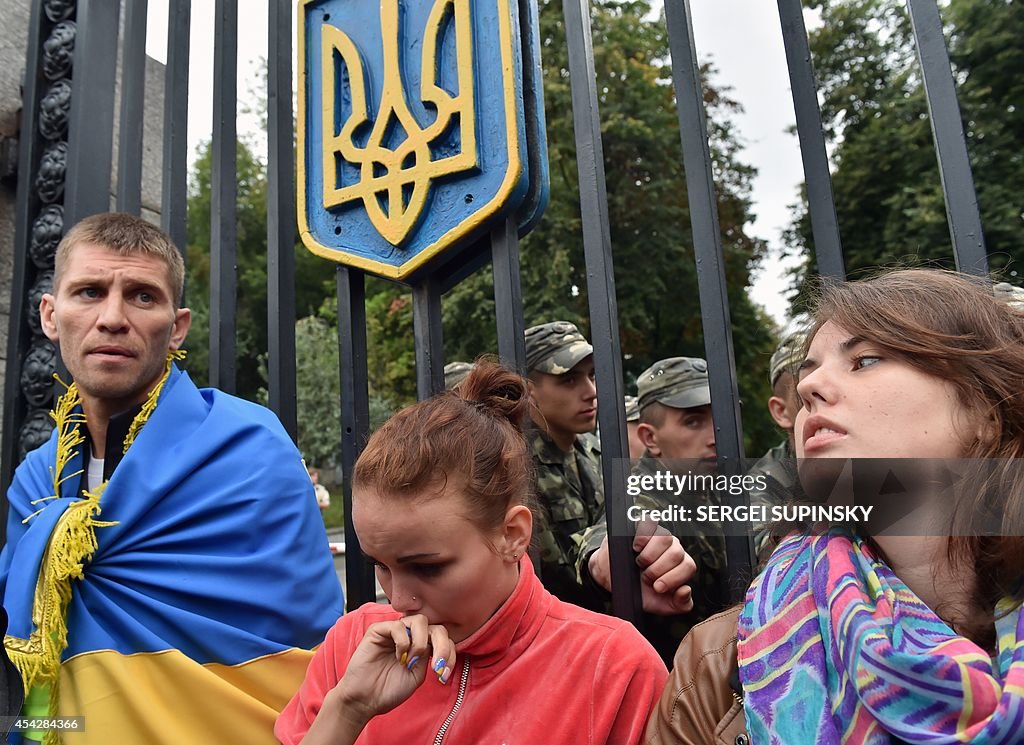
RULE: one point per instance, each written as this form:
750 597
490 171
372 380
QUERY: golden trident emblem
394 183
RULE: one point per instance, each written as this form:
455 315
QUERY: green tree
318 391
889 199
313 276
318 402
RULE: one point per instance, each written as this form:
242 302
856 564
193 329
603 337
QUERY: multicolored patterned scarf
832 644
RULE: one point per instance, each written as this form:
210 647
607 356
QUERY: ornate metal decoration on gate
411 129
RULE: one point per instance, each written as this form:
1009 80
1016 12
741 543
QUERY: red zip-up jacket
539 672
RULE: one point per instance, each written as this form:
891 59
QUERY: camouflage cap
679 382
555 348
455 373
1009 294
632 408
788 355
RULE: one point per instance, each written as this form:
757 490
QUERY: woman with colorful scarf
856 635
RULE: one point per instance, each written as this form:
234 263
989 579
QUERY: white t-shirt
94 476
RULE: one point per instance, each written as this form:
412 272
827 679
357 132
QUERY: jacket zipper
458 703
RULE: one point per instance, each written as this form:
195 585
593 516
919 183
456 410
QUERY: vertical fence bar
355 422
950 144
604 322
281 218
828 248
508 295
174 193
707 242
91 127
133 94
30 148
429 338
223 197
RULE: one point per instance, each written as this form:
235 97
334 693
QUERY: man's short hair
126 235
654 414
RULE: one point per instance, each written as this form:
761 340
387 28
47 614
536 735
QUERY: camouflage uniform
568 485
704 542
570 498
679 382
778 466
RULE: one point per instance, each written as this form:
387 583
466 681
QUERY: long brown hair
469 437
950 326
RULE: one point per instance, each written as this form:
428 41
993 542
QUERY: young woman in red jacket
472 648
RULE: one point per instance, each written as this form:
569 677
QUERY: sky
743 39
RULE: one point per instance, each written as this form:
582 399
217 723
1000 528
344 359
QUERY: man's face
566 403
115 321
685 434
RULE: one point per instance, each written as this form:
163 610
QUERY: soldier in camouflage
778 465
569 489
566 457
677 431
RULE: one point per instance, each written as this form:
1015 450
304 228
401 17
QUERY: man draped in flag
166 571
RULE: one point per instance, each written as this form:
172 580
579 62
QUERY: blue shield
411 128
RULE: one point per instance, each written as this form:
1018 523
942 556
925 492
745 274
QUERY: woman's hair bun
495 390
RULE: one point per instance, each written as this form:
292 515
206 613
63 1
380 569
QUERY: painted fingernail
412 662
439 665
444 675
405 656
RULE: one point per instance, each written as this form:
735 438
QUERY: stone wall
13 37
13 42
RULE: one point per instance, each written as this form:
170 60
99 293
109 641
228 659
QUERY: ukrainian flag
195 584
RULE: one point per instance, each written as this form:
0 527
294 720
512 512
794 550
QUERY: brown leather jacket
701 704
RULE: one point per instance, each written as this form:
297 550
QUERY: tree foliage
888 193
313 276
318 391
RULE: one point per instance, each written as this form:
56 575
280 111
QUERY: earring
515 557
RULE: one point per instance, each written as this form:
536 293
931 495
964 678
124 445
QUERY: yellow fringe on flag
72 544
150 404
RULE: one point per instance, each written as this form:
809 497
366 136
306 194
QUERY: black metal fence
65 167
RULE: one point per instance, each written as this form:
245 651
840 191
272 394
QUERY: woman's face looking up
861 402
